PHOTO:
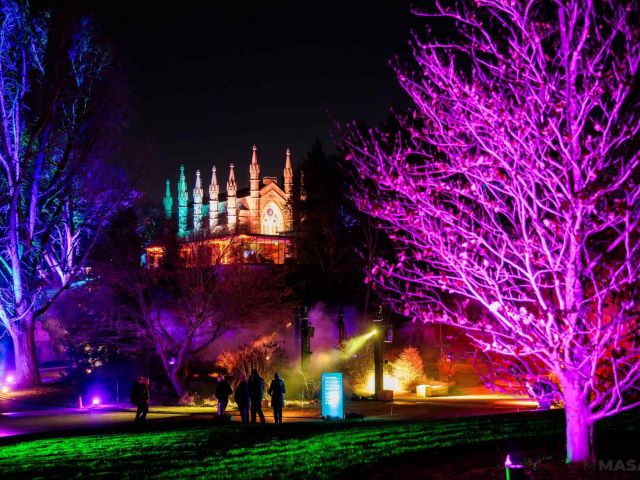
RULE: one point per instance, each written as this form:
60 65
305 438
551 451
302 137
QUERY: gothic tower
288 175
214 191
168 201
254 192
183 200
198 194
232 206
288 190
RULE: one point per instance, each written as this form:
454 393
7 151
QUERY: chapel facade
261 209
249 225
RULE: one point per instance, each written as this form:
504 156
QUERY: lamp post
384 334
306 333
378 347
296 326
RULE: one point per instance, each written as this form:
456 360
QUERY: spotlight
11 379
95 401
4 389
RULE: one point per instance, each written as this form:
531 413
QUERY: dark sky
210 79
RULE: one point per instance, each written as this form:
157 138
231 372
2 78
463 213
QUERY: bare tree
516 190
54 188
183 310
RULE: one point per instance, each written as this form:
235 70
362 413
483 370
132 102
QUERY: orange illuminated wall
238 249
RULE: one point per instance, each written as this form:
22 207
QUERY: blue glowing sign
332 396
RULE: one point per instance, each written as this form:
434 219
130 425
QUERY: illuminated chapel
259 215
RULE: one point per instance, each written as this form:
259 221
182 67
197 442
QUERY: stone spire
198 194
288 174
183 201
254 192
288 190
168 201
214 191
232 206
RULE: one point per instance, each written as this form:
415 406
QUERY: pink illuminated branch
514 190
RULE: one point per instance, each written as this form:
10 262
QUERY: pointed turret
288 190
288 174
168 201
198 194
214 192
254 192
183 201
232 209
254 169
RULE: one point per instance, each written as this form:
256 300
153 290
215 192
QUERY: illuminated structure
183 199
244 225
168 201
262 209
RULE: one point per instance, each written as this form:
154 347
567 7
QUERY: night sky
210 79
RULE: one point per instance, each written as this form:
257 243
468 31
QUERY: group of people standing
248 396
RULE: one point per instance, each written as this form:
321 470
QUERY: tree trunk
177 382
579 427
24 347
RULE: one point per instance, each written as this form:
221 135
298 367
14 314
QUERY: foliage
267 357
514 192
408 368
357 368
327 231
446 366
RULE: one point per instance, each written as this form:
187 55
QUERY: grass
303 450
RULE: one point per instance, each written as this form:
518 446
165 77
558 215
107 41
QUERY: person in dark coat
276 390
256 391
223 390
242 398
140 398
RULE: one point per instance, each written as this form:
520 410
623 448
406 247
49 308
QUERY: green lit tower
183 200
168 201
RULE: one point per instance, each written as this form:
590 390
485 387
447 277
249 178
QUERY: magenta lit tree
513 190
55 192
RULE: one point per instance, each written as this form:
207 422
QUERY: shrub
409 369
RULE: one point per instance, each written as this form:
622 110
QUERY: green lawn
303 450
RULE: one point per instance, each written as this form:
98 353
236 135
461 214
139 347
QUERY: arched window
272 220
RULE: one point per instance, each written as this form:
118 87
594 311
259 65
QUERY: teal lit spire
183 201
168 201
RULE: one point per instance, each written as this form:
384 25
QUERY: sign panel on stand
332 395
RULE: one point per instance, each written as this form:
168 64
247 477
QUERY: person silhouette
256 392
242 398
277 390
